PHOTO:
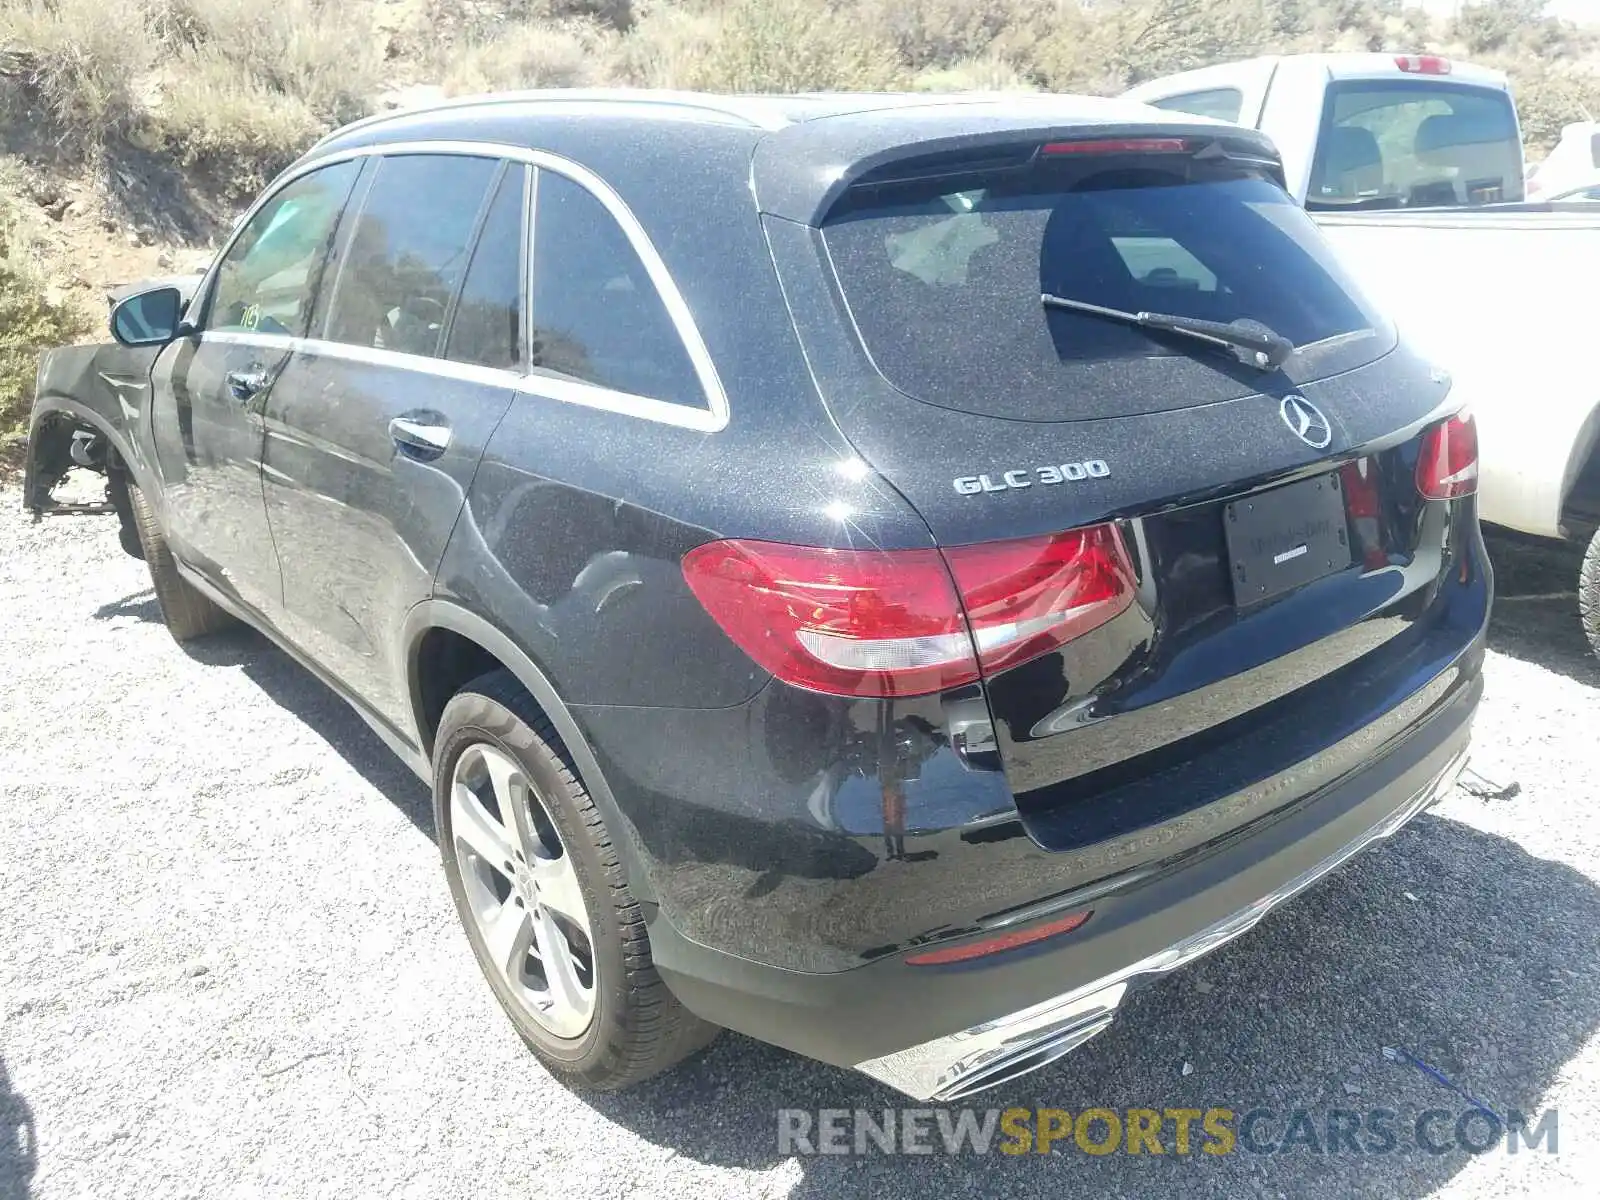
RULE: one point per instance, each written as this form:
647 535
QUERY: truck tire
1589 592
544 896
187 613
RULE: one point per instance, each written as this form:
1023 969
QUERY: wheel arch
1580 485
476 646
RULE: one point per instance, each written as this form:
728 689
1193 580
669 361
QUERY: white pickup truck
1412 164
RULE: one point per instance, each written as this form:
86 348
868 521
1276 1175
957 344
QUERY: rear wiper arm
1266 349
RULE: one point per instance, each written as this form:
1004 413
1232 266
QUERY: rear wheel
544 895
1589 592
187 613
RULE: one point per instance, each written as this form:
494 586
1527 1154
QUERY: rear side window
1222 104
1418 144
487 328
944 282
407 252
597 316
271 275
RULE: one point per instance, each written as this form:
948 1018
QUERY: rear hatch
1264 576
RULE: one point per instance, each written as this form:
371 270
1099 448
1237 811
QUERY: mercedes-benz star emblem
1305 421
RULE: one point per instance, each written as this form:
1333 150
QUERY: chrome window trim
711 419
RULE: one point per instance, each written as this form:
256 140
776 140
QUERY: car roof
801 151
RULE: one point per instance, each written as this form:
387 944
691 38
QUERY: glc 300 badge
1005 481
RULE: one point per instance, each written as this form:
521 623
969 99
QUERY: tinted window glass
1221 103
487 329
408 251
945 286
269 280
596 313
1415 145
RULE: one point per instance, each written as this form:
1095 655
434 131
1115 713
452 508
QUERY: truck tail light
1423 64
908 622
1448 464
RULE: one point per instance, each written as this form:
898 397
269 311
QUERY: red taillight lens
1026 597
1153 145
1422 64
1448 464
890 623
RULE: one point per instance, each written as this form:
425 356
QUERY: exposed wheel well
1581 510
446 660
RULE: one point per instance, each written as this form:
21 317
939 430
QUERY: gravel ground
228 964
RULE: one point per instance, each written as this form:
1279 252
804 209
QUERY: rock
1201 986
1351 1089
1188 1068
165 261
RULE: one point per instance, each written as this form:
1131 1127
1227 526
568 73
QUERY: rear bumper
941 1032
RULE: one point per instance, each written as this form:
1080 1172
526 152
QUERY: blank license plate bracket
1285 538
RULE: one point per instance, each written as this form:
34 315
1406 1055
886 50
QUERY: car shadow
1536 605
19 1156
1489 974
298 691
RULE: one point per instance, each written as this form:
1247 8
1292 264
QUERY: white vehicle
1413 166
1572 167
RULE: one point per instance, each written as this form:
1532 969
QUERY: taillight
1448 464
1422 64
890 622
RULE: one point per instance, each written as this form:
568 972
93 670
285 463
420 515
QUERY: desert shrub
571 54
985 73
237 131
79 61
30 322
760 46
941 33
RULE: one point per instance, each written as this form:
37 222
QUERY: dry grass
30 321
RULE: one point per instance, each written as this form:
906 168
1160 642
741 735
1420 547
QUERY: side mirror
150 318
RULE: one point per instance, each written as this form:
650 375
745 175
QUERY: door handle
427 434
243 385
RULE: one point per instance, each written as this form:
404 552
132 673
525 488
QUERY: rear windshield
1415 144
944 279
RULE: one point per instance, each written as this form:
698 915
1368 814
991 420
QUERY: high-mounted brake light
1422 64
1151 145
1448 464
909 622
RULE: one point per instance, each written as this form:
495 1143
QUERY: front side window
1416 144
407 252
597 316
270 277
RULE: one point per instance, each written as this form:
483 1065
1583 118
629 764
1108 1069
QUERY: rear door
210 389
1274 545
376 427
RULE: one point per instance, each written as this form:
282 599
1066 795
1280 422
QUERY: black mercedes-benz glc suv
885 574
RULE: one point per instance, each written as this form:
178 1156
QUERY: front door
210 389
378 422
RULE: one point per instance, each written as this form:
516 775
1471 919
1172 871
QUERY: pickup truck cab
1412 165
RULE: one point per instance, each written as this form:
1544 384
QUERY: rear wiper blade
1265 349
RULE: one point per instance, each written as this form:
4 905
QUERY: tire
635 1027
187 613
1589 592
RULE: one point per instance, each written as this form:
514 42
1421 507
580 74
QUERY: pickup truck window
944 280
1416 144
1221 103
269 278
